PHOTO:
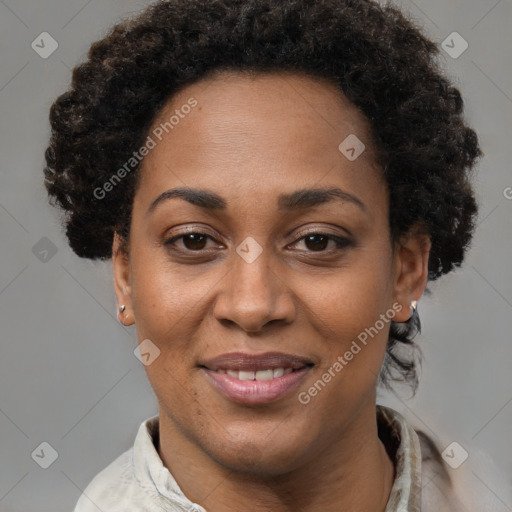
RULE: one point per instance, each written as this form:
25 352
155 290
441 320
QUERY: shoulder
108 488
437 488
476 484
117 488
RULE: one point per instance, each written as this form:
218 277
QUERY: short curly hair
378 59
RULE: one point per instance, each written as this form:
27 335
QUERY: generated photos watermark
305 397
157 133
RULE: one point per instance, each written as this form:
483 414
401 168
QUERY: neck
354 473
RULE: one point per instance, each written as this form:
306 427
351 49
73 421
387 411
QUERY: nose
253 295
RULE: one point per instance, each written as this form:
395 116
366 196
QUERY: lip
253 392
243 361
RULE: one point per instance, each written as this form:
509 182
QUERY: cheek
353 298
166 299
169 308
353 311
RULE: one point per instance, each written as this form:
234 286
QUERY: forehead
267 133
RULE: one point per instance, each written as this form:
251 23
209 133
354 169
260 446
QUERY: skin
249 140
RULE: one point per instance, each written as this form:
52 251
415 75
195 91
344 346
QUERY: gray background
68 375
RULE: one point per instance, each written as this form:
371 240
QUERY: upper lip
243 361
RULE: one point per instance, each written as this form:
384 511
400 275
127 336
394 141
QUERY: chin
259 457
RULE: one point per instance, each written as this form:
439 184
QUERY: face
272 259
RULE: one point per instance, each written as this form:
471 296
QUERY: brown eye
319 242
191 241
194 241
316 242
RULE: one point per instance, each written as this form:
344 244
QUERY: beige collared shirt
137 481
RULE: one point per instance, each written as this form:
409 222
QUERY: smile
261 375
244 387
250 379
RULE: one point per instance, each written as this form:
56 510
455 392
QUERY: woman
275 182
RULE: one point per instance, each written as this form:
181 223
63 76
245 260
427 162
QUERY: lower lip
255 391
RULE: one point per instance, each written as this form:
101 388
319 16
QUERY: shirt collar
150 472
398 436
403 446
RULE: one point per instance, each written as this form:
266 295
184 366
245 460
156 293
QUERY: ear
122 280
410 270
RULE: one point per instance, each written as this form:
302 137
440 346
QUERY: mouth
256 378
261 375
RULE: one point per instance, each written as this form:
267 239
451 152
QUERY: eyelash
341 242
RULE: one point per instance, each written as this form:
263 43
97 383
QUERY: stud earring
122 308
414 308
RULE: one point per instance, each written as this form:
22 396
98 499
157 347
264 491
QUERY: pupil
316 245
193 239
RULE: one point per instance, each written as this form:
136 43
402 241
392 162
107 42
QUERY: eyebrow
298 200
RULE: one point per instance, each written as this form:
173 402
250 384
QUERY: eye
318 242
195 241
192 241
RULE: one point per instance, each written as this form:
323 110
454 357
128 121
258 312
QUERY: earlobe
123 317
411 272
122 281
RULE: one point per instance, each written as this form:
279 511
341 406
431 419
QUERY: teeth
259 375
278 372
264 374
